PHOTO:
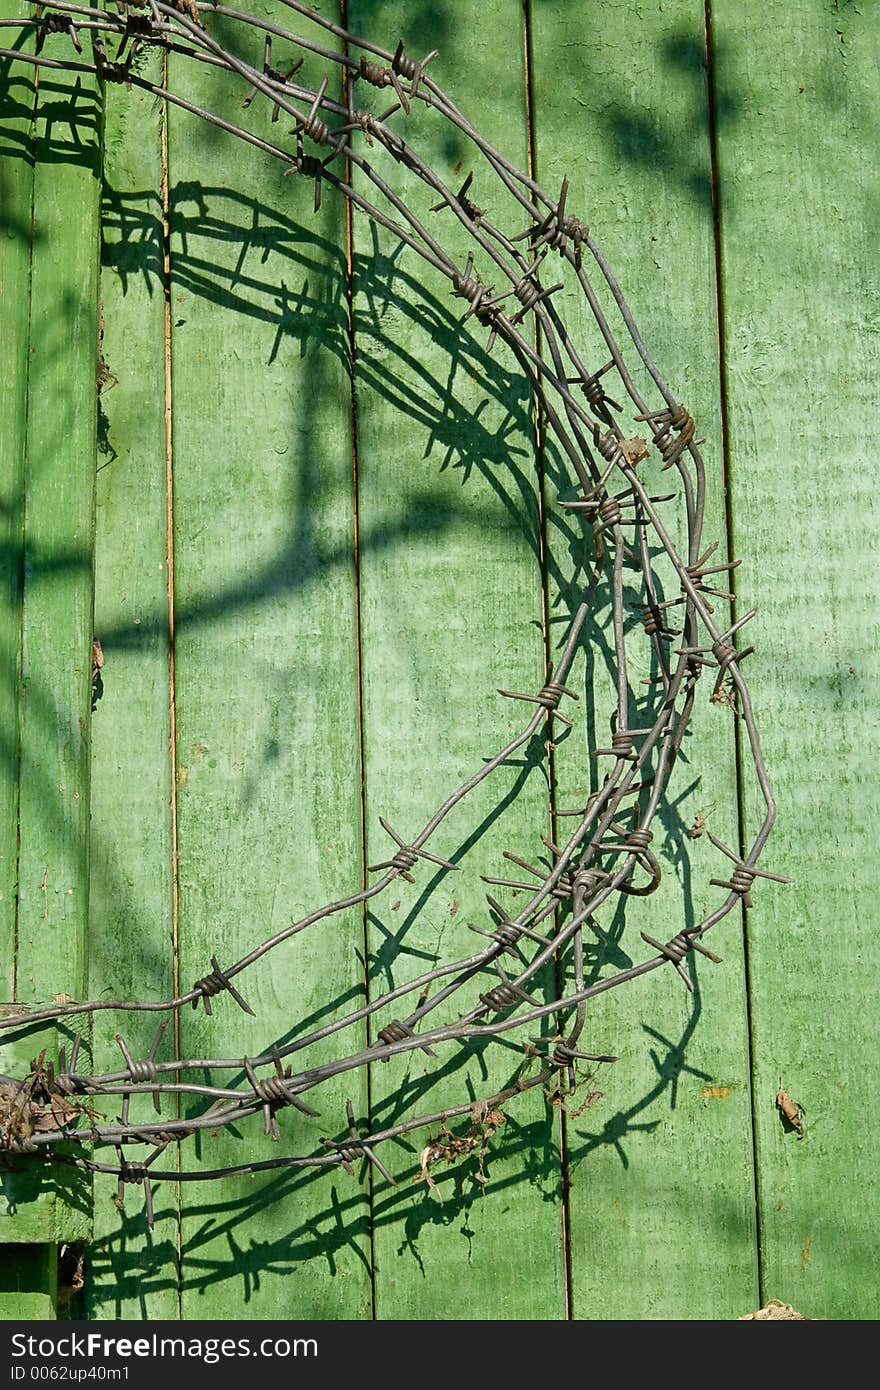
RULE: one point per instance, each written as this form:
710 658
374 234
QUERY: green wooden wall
298 458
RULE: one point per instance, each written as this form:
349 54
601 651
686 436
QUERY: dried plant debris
633 503
792 1113
33 1107
97 669
452 1148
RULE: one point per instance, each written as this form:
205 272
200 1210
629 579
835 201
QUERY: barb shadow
225 251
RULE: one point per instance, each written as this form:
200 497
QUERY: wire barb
623 560
353 1148
212 984
677 949
145 1070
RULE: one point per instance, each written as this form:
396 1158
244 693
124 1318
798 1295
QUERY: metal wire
507 284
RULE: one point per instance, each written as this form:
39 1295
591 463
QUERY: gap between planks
726 473
352 358
169 569
531 148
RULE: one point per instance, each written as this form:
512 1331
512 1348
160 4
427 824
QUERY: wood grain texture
661 1200
802 312
56 621
660 1212
451 609
132 1273
59 505
267 698
16 201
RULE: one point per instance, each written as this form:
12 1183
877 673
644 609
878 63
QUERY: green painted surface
38 1203
661 1219
28 1283
132 1272
802 312
268 778
451 607
59 507
16 200
56 619
662 1196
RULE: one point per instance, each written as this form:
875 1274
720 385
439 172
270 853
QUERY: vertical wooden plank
661 1199
131 1272
59 504
16 201
451 608
266 680
801 317
56 656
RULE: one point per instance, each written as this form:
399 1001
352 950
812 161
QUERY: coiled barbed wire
612 835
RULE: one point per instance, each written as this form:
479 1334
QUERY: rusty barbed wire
608 853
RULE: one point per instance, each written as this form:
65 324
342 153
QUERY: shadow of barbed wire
301 307
457 442
519 1153
340 1228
